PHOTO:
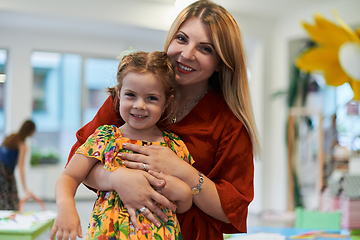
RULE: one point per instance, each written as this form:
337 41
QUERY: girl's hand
175 190
66 225
135 191
156 158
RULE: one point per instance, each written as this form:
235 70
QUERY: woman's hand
156 158
135 191
175 190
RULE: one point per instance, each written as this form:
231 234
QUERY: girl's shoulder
171 136
107 130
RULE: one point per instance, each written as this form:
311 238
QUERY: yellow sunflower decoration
336 55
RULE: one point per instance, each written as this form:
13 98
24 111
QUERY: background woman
215 120
12 153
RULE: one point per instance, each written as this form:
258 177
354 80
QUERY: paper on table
257 236
26 220
5 213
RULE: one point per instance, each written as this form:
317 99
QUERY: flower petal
355 86
327 34
317 59
334 75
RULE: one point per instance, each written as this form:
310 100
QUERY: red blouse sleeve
234 173
105 116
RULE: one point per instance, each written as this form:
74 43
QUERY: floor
84 209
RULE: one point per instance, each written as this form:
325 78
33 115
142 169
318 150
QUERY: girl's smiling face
193 53
142 100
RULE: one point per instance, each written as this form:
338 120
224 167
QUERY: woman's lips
184 69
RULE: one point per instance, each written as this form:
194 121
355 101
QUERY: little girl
145 89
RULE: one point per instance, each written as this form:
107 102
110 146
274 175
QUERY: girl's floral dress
110 219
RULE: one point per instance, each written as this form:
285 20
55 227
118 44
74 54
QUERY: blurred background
58 57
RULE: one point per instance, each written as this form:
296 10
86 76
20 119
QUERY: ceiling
147 14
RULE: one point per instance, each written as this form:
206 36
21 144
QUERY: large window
3 59
68 89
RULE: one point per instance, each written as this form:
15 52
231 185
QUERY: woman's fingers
136 165
150 216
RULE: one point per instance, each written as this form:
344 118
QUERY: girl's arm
175 190
134 188
67 222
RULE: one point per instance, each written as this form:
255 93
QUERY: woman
214 118
12 153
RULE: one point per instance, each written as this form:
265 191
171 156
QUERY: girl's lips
184 69
138 117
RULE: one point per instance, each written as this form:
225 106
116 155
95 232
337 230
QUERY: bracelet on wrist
196 190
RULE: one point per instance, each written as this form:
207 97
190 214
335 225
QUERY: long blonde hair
232 79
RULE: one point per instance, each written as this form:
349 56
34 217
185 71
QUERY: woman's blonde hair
231 80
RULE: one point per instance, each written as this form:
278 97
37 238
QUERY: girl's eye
130 94
152 98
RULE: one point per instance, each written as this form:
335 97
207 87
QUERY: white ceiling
152 14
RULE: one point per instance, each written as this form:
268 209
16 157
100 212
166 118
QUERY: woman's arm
162 159
21 164
176 190
124 181
67 222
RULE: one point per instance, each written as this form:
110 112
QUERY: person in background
12 153
215 120
146 84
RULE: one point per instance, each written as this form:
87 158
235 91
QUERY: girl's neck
148 135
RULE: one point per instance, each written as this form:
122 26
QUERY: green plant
44 157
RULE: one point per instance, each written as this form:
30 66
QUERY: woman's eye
180 38
207 49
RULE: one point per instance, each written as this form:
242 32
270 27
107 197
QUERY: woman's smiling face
193 53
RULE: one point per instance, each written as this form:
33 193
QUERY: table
285 232
29 234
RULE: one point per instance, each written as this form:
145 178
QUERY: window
67 92
99 75
3 59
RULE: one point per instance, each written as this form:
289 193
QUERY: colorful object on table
319 234
336 54
355 234
306 219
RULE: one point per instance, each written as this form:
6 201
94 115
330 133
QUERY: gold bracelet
196 190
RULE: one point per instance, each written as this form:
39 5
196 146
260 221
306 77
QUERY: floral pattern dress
110 219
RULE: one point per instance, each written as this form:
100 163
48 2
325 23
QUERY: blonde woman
213 117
